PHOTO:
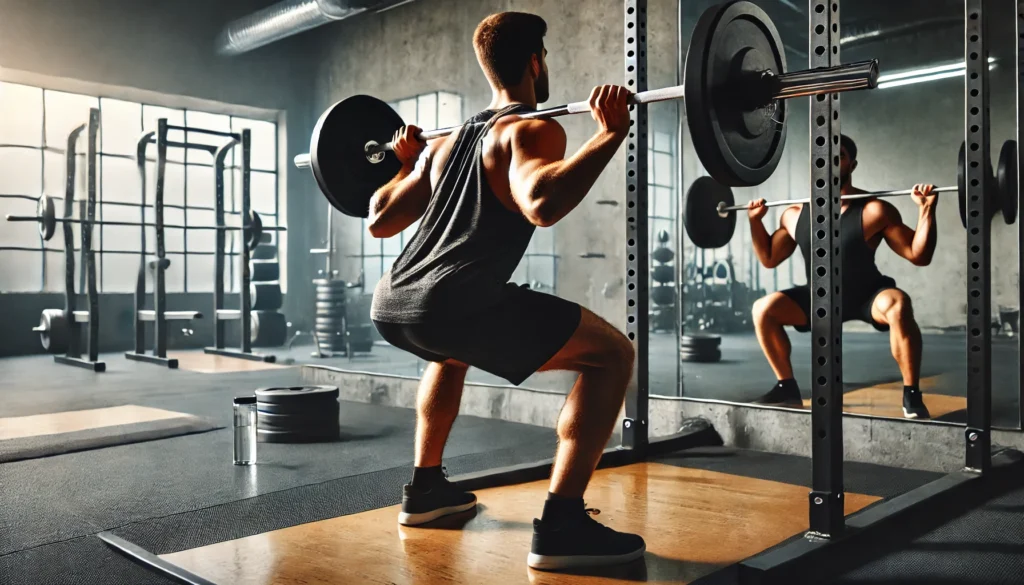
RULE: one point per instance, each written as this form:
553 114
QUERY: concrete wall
164 52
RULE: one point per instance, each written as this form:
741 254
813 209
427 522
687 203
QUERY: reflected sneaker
422 505
580 541
913 404
784 393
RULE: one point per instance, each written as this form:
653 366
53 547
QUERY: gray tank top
466 247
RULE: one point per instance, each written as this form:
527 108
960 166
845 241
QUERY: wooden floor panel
218 364
694 522
20 427
887 400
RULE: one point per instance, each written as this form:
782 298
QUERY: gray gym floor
744 374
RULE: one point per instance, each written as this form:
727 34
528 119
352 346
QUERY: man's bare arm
771 249
404 199
546 186
917 246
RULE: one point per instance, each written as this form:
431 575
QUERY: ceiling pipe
288 18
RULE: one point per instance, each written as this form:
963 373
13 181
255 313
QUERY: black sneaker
422 506
782 395
581 542
913 404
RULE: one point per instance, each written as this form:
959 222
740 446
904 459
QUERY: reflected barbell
46 217
710 218
735 84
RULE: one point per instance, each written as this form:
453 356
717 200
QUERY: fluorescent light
926 74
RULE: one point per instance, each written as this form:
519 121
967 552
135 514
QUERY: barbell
709 210
735 84
46 217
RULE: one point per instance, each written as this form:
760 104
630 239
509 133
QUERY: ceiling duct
291 17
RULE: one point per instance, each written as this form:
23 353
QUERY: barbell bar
709 207
723 208
47 219
735 81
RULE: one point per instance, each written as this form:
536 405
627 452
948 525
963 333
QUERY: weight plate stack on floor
702 348
330 314
268 327
298 414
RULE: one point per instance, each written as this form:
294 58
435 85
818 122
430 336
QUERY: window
34 128
441 110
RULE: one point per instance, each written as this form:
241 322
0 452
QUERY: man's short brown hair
504 43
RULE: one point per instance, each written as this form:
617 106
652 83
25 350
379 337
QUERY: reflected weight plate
345 174
738 131
1007 179
705 227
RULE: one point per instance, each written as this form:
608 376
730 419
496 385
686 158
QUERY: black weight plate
54 331
347 177
325 405
296 394
264 252
325 322
699 342
663 274
265 296
1008 181
330 311
706 228
254 235
663 255
47 214
273 436
268 329
331 285
738 131
264 270
701 357
663 295
331 296
316 420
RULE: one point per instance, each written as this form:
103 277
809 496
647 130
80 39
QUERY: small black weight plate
738 131
264 270
273 436
313 421
705 227
54 331
268 329
663 274
47 217
264 252
699 342
296 394
265 296
254 233
706 357
337 151
324 405
1008 181
663 255
663 295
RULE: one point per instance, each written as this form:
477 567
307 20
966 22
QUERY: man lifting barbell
868 295
481 192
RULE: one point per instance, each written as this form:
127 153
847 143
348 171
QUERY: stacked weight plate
299 414
269 327
700 348
330 315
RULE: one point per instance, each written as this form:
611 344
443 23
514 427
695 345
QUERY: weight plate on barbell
1007 179
54 331
254 235
337 152
47 217
704 226
739 133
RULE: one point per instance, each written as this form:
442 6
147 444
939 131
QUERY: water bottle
245 430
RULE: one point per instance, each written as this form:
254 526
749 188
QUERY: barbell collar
302 161
724 209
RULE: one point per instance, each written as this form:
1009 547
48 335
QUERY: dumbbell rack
243 314
159 315
70 320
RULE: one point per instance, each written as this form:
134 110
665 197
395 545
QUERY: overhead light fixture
927 74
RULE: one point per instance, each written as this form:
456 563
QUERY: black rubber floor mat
80 561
